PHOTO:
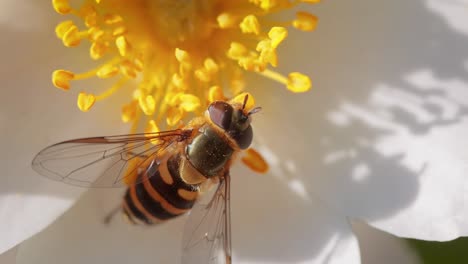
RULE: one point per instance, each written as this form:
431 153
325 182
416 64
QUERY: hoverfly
166 173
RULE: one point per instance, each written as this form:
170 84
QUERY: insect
167 174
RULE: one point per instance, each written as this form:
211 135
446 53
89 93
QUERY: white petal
24 16
383 136
380 247
9 257
272 225
33 115
269 226
81 237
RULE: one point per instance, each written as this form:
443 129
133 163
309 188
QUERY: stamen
211 66
129 69
275 76
63 27
226 20
305 21
152 127
250 24
311 1
61 6
298 82
180 58
86 75
147 104
277 35
61 79
174 115
85 101
254 161
186 102
98 49
129 111
215 93
114 88
295 82
107 71
72 37
236 50
123 46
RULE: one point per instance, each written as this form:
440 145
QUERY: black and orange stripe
161 195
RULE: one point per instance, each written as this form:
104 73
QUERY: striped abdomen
161 195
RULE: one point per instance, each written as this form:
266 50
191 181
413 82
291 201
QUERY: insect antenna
254 110
245 101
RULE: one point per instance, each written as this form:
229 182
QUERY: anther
85 101
61 6
61 79
298 82
305 21
250 24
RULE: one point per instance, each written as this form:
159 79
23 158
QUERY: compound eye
221 114
244 139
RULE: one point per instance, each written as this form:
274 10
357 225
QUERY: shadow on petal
390 84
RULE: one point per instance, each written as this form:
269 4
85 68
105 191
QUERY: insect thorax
209 152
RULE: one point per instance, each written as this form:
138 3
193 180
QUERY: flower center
177 56
180 22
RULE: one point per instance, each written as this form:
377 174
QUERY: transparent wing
110 161
207 234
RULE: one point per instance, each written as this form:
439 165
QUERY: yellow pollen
215 94
129 112
186 102
174 116
152 127
250 24
277 35
237 50
254 161
97 50
226 20
264 4
119 31
177 56
298 82
112 19
211 66
85 101
182 55
147 104
122 45
295 82
61 79
305 21
61 6
72 37
63 27
107 71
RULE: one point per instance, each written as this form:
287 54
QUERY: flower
380 139
180 54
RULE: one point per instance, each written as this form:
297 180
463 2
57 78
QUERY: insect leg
227 218
108 218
